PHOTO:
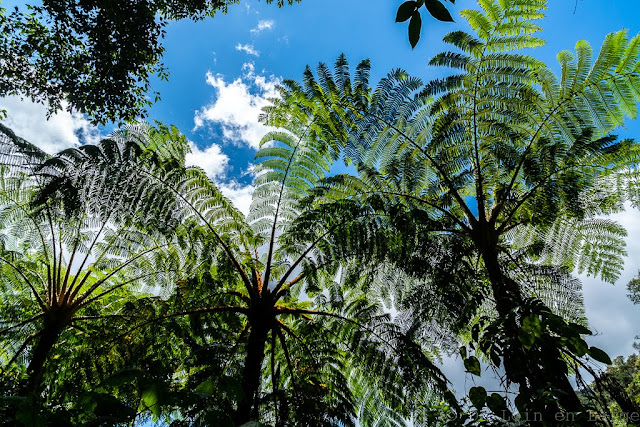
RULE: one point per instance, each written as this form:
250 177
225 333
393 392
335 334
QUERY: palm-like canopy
255 278
503 160
67 265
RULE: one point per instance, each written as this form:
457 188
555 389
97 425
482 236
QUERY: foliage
617 389
410 10
59 264
248 342
132 289
509 159
634 289
95 57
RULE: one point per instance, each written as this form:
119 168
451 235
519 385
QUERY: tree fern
502 147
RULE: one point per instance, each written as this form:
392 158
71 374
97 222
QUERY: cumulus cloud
62 130
216 164
263 24
247 48
211 159
237 106
611 314
240 195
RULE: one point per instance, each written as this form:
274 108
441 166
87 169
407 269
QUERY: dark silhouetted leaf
599 355
438 10
478 396
472 365
415 25
405 11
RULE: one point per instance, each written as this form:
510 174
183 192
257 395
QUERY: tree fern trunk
535 370
48 338
251 374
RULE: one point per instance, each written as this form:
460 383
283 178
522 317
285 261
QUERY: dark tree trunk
48 338
535 370
252 373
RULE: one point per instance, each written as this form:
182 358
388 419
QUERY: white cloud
247 48
263 24
216 163
211 159
62 130
238 104
614 318
240 195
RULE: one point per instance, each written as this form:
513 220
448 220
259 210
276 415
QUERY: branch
86 257
267 271
107 277
421 200
288 358
297 338
293 311
454 192
20 350
26 279
230 309
300 258
572 94
5 330
226 248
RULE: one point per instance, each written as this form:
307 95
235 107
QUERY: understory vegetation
132 291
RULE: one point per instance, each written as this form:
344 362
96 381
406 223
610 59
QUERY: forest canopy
133 291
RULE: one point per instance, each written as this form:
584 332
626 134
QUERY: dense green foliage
616 388
132 290
234 336
507 165
97 56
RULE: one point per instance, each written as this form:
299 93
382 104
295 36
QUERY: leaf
478 396
580 329
531 325
599 355
150 399
415 25
475 332
578 345
463 352
405 10
206 388
498 406
438 10
526 339
472 365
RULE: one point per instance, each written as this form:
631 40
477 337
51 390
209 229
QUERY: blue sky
222 69
260 41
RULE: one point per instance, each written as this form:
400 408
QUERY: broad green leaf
599 355
207 388
580 329
472 365
531 325
478 396
497 405
526 339
151 399
578 345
